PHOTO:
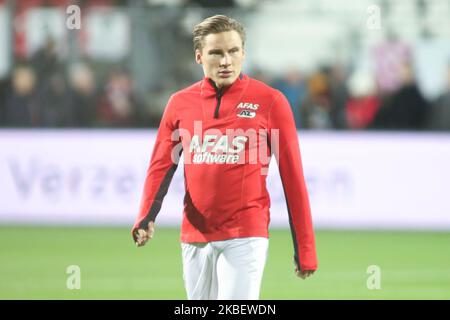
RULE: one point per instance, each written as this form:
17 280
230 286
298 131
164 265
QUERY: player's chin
227 81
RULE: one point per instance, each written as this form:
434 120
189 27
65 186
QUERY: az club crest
246 114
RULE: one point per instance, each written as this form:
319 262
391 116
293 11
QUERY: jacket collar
209 87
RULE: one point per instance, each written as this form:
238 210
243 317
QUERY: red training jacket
227 136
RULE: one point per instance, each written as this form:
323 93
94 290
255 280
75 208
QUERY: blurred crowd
335 98
402 89
42 91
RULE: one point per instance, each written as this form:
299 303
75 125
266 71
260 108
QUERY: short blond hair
216 24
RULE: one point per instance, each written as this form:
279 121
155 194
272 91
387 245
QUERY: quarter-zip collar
209 88
219 94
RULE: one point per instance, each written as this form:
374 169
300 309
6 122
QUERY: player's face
221 57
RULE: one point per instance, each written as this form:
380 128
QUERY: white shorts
224 270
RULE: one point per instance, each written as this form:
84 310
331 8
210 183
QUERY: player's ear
198 56
243 53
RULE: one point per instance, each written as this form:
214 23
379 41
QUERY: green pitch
34 260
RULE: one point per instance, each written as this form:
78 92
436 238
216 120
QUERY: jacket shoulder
193 89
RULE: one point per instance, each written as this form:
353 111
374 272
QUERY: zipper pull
219 98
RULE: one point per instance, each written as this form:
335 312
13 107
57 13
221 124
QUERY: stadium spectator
118 106
363 104
294 88
316 111
52 95
22 108
389 57
261 75
82 97
51 87
406 109
4 86
338 95
46 61
440 112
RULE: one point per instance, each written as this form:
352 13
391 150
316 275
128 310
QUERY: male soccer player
228 125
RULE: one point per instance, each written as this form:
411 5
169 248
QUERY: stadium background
369 84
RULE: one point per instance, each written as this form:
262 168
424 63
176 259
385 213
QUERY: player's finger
305 274
151 229
141 237
138 239
143 234
309 273
141 242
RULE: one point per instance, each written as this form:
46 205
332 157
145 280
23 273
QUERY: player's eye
215 53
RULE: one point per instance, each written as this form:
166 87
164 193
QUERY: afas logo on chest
249 109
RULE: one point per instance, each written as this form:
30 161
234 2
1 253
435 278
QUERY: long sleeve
163 164
285 147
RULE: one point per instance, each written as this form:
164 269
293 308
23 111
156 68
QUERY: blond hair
216 24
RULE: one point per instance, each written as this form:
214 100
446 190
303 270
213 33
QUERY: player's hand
303 273
142 236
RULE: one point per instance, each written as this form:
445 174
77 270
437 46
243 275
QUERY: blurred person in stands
83 98
406 109
50 85
261 75
316 111
440 111
363 104
339 96
389 57
53 100
118 106
293 87
21 106
46 61
4 86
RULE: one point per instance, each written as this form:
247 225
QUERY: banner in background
107 34
43 24
355 180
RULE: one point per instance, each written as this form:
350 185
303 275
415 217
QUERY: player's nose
225 60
